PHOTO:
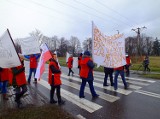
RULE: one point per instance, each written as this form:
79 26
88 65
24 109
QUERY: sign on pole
8 55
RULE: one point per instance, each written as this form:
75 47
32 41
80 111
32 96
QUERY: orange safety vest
70 61
33 62
5 74
20 78
84 68
57 80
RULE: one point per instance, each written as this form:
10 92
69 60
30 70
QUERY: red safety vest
5 74
70 61
33 62
57 80
119 68
84 68
20 78
128 60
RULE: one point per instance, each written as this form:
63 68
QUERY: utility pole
117 31
138 30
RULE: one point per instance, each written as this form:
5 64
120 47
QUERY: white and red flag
45 56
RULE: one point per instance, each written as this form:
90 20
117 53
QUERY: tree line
145 46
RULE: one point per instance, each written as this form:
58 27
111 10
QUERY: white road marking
104 96
81 102
122 91
148 93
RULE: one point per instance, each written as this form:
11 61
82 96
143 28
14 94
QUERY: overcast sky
66 18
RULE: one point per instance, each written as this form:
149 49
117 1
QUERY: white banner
8 55
75 62
67 56
29 45
108 51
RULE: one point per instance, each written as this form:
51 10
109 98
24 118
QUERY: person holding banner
54 80
33 66
86 75
4 76
119 70
70 65
108 71
79 62
19 83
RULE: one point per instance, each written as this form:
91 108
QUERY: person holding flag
54 80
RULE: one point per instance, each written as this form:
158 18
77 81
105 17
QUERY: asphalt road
140 101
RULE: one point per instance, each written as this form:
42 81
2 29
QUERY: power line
86 12
114 11
115 19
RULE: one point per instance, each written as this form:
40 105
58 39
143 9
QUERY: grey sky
73 17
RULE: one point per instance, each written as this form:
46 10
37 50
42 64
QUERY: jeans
121 72
83 84
30 74
4 87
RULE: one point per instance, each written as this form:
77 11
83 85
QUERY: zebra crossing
135 84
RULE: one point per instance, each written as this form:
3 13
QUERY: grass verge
43 112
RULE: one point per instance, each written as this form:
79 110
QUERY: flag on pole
108 51
45 56
57 59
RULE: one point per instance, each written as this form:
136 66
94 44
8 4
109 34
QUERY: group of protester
16 76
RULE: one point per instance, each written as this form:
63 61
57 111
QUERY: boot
53 101
5 97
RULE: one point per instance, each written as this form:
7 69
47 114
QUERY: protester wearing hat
54 80
70 65
86 75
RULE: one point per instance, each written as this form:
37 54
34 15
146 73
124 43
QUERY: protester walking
19 83
146 63
54 80
33 66
108 72
86 75
70 65
119 70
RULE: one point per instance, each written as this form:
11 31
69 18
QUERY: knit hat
87 53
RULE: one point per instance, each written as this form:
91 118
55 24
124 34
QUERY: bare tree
37 34
75 45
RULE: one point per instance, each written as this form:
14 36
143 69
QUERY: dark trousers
110 74
70 70
127 70
146 68
83 84
52 91
32 70
20 90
